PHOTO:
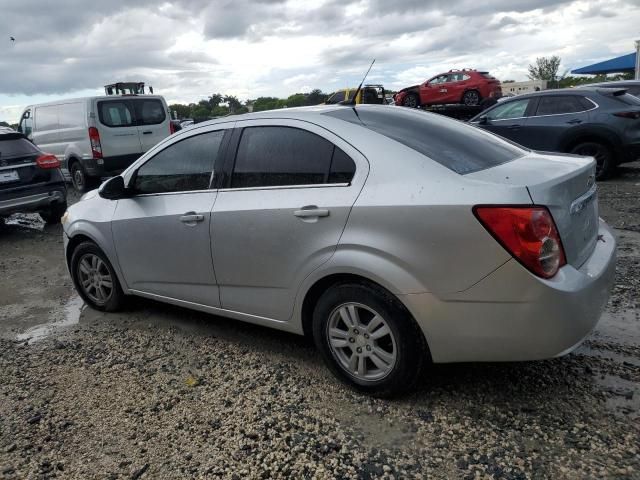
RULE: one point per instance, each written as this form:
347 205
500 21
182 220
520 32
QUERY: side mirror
114 189
483 120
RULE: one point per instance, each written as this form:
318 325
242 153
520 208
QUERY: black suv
600 122
30 180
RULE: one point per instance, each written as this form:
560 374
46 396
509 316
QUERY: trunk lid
565 184
17 162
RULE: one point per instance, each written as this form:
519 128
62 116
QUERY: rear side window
149 111
342 167
455 145
115 113
15 146
559 104
336 97
181 167
280 156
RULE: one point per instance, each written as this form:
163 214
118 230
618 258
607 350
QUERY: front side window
515 109
280 156
181 167
438 79
558 104
115 114
149 111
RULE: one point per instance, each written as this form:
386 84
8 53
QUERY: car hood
406 89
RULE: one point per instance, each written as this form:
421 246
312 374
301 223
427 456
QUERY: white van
97 137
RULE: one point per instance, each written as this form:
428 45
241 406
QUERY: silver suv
393 237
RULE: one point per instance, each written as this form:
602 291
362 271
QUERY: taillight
172 128
527 233
94 138
47 161
634 115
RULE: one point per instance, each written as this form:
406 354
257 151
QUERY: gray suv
600 122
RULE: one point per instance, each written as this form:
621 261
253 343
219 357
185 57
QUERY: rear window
15 146
149 111
455 145
115 113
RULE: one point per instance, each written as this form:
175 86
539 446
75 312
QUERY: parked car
465 86
369 94
599 122
30 180
631 86
97 137
403 237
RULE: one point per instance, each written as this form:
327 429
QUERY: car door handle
191 218
514 127
575 121
148 132
309 212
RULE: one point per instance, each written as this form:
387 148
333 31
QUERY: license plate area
7 176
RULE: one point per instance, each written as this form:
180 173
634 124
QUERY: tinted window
557 104
47 118
71 115
342 167
182 166
149 111
459 147
278 156
115 114
13 146
514 109
336 97
585 103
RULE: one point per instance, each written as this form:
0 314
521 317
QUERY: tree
234 103
183 111
215 100
315 97
545 68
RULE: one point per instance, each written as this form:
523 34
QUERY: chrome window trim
548 115
286 187
182 192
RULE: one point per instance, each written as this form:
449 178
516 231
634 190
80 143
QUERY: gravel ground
162 392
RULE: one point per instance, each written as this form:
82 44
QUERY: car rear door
152 120
280 216
161 233
118 131
554 118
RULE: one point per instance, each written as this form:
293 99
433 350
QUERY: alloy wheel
95 278
471 98
361 342
595 151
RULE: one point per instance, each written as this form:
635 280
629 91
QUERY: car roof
612 84
94 97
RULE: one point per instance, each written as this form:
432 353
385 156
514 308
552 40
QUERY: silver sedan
392 237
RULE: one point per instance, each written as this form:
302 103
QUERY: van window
115 113
71 115
47 118
149 111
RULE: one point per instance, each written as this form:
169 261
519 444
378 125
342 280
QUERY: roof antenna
355 95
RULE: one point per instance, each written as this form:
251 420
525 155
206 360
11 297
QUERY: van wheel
368 339
602 154
95 279
81 181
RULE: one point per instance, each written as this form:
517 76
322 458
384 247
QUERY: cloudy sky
188 49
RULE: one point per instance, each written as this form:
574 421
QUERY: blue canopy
615 65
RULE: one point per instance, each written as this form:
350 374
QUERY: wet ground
163 392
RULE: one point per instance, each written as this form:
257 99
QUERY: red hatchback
466 86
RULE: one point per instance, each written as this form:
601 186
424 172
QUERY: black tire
411 350
605 164
411 100
471 98
54 214
116 299
81 181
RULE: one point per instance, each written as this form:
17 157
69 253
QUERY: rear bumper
33 201
511 315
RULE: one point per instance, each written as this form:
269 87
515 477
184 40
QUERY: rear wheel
471 98
368 339
81 181
95 279
54 214
411 101
602 154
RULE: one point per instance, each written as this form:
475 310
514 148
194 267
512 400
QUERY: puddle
26 220
70 316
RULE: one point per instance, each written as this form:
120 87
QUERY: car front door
291 187
557 117
507 119
161 234
431 91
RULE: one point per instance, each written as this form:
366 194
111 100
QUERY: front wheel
95 279
368 339
602 155
411 101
